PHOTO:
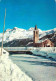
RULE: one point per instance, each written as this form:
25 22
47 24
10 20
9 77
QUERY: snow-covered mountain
12 36
48 32
17 33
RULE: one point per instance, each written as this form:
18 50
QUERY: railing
27 48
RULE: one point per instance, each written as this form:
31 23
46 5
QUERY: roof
35 27
40 41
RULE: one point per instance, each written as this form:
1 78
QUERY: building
35 35
40 43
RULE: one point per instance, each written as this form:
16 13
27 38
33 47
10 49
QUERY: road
38 68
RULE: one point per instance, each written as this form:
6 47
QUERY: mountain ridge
18 34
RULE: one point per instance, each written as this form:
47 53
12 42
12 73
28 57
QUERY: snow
45 51
44 33
10 71
39 68
18 33
31 29
4 53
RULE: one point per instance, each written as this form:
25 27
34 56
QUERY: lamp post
3 31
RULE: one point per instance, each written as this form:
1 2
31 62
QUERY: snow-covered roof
39 41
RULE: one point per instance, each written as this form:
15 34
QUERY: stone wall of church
46 43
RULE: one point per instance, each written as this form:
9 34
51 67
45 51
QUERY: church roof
40 41
35 27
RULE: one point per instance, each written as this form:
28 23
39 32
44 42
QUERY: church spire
35 27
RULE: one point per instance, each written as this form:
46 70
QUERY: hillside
21 37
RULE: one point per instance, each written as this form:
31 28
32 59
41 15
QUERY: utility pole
3 31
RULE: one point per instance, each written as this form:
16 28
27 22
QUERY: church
40 43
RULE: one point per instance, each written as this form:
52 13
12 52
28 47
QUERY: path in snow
38 68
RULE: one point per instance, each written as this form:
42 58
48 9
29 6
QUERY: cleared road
38 68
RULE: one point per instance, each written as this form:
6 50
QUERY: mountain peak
15 28
20 29
31 29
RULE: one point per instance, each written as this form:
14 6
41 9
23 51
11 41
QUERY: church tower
35 35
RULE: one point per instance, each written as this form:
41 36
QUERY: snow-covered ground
37 67
10 71
45 51
18 33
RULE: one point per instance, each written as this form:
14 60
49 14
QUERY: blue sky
27 13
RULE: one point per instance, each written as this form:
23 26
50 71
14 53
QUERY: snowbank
4 53
10 71
45 51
